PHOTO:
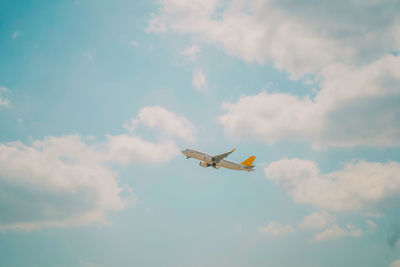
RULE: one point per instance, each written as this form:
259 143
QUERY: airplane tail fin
248 162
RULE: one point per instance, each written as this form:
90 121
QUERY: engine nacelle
204 164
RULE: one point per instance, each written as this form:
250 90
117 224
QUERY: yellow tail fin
248 161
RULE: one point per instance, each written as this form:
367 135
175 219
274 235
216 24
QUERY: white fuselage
203 157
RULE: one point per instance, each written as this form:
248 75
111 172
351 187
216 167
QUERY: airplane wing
222 156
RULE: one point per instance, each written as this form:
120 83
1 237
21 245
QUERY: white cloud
16 34
371 225
191 52
4 102
199 81
57 182
297 38
91 54
317 220
335 232
308 38
359 186
275 228
164 122
61 181
126 149
167 125
375 215
269 117
395 263
355 106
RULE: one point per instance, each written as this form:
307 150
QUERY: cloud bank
62 181
58 181
355 107
350 46
297 38
357 187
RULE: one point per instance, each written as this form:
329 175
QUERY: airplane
219 161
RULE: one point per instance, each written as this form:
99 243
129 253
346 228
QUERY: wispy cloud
191 52
371 225
199 81
16 34
91 54
394 234
317 220
4 102
336 232
134 43
275 228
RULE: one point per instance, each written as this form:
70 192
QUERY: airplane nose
183 152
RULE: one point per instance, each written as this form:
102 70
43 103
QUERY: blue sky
97 99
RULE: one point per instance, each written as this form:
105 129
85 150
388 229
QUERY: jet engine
204 164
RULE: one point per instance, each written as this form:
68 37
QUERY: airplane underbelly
230 165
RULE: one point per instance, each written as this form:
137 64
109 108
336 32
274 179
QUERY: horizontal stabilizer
248 162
